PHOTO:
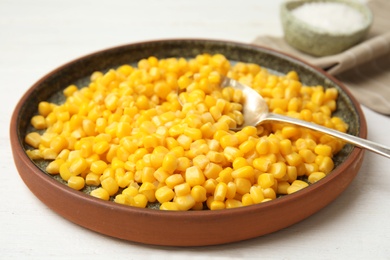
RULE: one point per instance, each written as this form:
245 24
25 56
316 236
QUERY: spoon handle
357 141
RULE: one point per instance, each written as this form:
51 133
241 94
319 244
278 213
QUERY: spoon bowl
255 111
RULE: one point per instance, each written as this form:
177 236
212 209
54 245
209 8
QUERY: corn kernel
232 203
33 139
92 179
199 193
266 180
256 194
316 176
296 186
182 189
76 182
194 176
217 205
185 202
169 206
243 185
174 180
110 185
100 193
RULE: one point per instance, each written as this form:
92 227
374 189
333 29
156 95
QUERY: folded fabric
363 68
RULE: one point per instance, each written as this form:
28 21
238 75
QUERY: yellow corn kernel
174 180
232 203
201 161
266 180
225 175
229 140
170 163
269 193
215 112
264 163
77 166
147 175
169 206
45 108
160 175
131 191
184 141
110 185
150 141
183 82
140 201
311 167
92 179
176 130
256 194
231 190
51 118
49 154
54 166
220 192
101 147
215 157
247 146
194 176
263 146
68 91
243 185
156 159
199 193
182 189
283 187
326 165
285 147
307 155
239 162
76 182
148 190
185 202
278 169
183 163
231 153
246 172
38 122
125 180
33 139
34 154
292 173
296 186
247 200
64 171
323 149
121 199
293 159
210 185
100 193
193 133
316 176
217 205
98 167
58 143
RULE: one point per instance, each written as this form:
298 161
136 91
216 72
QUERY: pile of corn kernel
127 135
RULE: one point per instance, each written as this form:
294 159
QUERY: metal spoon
255 111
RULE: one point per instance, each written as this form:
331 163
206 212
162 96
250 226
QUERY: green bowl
312 40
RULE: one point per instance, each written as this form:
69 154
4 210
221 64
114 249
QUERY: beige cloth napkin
363 68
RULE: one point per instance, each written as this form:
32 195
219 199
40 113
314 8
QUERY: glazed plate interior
151 226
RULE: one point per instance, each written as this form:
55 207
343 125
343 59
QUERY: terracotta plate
196 228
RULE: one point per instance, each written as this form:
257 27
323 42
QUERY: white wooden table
38 36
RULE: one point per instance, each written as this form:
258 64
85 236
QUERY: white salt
330 17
